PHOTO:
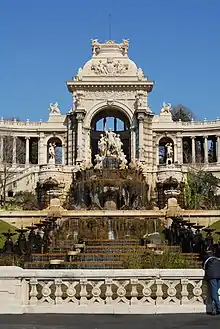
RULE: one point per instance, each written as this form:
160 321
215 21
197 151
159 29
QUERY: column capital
133 128
80 116
27 137
140 116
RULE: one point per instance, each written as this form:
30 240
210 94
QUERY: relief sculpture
109 67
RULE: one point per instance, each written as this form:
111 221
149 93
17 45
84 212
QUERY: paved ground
68 321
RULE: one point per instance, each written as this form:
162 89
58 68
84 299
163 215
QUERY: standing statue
118 145
169 153
78 76
110 136
138 100
54 108
51 151
140 74
102 145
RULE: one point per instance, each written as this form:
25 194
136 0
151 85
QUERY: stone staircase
93 254
22 175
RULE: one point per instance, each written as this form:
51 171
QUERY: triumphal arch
109 128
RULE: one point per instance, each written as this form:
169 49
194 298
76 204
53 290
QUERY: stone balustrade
102 291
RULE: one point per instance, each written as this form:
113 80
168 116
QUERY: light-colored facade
109 85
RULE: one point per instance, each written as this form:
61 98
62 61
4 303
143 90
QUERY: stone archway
43 191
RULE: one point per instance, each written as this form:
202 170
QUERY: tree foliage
200 189
181 112
26 200
7 168
148 259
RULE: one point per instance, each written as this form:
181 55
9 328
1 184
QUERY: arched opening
115 120
54 150
166 151
45 191
170 183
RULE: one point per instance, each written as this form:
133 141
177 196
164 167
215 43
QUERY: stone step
76 265
118 242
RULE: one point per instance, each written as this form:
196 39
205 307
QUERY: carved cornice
141 85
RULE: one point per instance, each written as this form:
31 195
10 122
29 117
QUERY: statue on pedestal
54 109
166 108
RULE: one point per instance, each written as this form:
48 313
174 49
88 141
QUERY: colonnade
205 139
10 150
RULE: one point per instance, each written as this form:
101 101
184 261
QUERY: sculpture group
54 108
110 145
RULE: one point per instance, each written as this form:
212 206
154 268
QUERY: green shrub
149 259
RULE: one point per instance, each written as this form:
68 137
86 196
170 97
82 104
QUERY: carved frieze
110 94
109 67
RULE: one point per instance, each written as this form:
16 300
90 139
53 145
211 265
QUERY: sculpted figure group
110 145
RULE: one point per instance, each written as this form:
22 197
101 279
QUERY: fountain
110 184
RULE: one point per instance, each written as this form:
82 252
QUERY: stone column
179 150
193 149
141 137
218 146
42 150
1 149
14 150
206 160
63 154
175 149
27 138
79 118
88 151
133 144
157 154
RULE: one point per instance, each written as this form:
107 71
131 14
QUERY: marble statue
78 77
123 164
54 108
99 162
51 151
110 145
169 153
102 145
118 145
166 108
78 96
110 138
140 74
138 100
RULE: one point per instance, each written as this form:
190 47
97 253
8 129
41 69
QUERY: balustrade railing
102 291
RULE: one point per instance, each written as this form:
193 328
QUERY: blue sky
176 42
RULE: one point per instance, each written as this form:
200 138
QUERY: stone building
109 91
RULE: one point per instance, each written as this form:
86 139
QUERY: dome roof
110 61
